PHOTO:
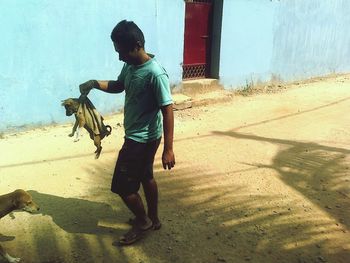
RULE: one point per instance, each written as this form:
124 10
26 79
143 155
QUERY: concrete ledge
198 86
181 101
213 97
199 92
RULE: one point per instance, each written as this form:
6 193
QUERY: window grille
198 1
194 71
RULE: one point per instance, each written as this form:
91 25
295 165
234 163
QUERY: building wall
265 40
48 48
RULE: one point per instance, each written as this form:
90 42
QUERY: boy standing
147 100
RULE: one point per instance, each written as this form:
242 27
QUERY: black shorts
134 166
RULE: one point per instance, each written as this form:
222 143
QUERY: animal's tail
108 130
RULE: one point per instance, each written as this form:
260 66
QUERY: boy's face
125 54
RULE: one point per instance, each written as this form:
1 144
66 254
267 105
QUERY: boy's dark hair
128 34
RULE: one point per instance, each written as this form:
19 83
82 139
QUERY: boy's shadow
76 215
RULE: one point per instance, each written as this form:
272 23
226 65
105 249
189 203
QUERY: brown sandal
133 235
155 226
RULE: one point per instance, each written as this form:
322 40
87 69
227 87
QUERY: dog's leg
97 142
74 128
7 256
80 123
77 135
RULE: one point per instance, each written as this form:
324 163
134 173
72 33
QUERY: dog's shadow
76 215
4 238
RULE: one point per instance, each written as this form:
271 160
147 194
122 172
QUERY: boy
147 99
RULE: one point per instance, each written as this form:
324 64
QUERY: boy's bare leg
150 189
142 222
135 205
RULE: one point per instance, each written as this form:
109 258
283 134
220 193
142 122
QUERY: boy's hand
87 86
168 159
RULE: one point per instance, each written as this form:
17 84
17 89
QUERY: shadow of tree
205 215
75 215
311 168
321 174
208 217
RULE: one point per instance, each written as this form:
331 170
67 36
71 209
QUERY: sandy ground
263 178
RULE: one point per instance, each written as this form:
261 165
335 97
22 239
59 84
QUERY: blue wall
285 40
48 48
312 38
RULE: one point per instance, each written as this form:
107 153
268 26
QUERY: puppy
17 200
86 116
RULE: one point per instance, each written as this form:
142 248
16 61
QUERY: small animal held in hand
87 116
16 200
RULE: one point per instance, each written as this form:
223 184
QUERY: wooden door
198 19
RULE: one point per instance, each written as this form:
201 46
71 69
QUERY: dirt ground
262 178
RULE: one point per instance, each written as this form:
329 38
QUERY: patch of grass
247 89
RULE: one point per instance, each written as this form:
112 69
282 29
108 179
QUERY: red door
196 62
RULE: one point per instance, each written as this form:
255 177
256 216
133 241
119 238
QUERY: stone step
197 86
199 92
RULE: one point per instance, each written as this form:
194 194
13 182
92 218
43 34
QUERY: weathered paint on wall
49 47
311 38
284 40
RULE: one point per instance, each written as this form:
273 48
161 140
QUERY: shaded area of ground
260 179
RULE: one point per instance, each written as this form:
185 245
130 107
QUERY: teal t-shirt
146 90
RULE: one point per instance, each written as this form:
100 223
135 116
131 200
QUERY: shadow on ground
82 231
206 218
321 174
75 215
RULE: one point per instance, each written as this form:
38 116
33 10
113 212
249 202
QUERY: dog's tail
108 130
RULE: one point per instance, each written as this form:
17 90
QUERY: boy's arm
110 86
168 157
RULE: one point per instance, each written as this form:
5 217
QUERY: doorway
202 38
